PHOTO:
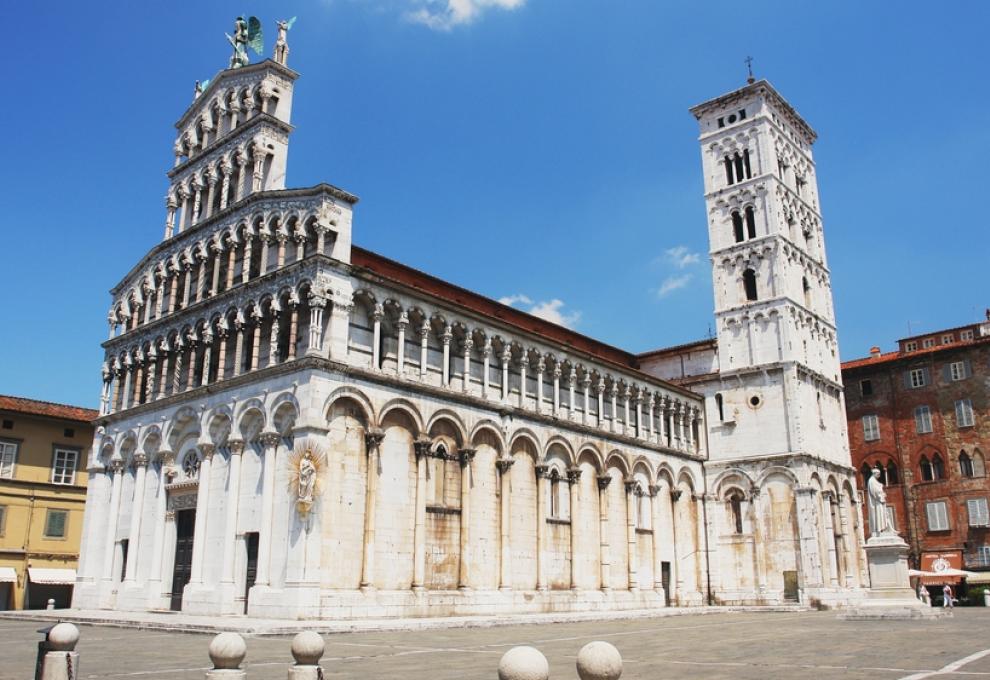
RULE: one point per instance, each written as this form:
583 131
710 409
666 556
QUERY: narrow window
927 475
866 388
976 508
922 419
125 544
892 476
64 466
742 114
964 413
957 370
871 428
719 405
938 516
735 512
749 284
807 291
737 226
749 172
721 122
739 165
728 171
8 455
965 465
916 378
55 522
938 468
554 494
751 221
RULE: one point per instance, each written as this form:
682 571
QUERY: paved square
724 645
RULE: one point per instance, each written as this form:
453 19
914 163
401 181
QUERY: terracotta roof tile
894 356
47 409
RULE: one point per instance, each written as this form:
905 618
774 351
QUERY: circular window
732 118
755 401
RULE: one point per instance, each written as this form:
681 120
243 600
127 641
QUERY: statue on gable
246 34
282 43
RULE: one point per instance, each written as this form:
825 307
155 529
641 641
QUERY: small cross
749 66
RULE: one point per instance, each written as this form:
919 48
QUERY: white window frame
59 472
964 413
947 339
957 370
965 336
928 343
871 428
910 346
937 513
8 459
976 509
917 378
922 419
983 555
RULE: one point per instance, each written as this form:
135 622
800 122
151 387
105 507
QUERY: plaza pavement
740 645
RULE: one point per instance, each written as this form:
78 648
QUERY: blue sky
539 150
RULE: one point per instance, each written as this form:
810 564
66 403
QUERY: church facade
293 426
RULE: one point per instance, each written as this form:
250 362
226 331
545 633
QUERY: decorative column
316 306
269 442
586 385
202 512
614 394
236 447
173 290
424 337
844 524
603 558
241 161
225 183
632 558
662 421
504 466
166 459
657 556
299 236
506 358
125 398
280 237
113 514
217 258
486 354
705 538
273 356
258 156
187 282
689 429
468 345
138 371
464 576
542 471
161 277
207 356
321 237
626 396
574 479
448 335
184 199
222 331
238 342
231 264
651 405
293 325
191 342
601 401
376 348
833 558
266 238
523 378
179 352
137 512
202 256
211 187
152 372
248 253
422 448
556 390
541 366
759 559
197 200
372 445
170 206
401 324
638 410
571 387
105 391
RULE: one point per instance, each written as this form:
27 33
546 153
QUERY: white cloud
681 257
443 15
549 310
672 283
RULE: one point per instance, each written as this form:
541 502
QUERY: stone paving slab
739 645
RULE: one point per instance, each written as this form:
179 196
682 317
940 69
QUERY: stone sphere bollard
227 650
50 604
307 648
63 637
523 663
61 661
599 661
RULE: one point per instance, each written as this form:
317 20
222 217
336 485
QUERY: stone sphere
307 648
523 663
63 637
227 650
599 661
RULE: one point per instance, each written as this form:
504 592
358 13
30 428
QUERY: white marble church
295 427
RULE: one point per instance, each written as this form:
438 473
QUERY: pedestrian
947 596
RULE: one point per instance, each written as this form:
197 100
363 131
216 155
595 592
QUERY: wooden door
185 526
252 565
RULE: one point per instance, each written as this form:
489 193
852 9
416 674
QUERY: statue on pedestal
877 499
282 43
246 34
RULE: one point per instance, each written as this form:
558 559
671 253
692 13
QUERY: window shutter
968 365
925 373
959 413
907 379
977 510
946 372
932 514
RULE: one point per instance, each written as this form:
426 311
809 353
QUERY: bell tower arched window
749 284
737 226
750 221
734 506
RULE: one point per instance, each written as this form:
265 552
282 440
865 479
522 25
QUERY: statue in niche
246 34
305 471
876 498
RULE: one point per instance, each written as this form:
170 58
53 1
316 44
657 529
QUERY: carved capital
170 515
675 494
207 450
603 482
631 485
236 445
573 475
140 460
373 439
466 456
116 466
422 447
269 439
654 489
503 464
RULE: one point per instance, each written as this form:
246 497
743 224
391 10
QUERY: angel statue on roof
246 34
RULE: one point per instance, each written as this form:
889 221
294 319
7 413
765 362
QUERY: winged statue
246 34
282 43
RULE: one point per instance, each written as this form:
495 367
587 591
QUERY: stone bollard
61 662
227 650
307 648
51 603
599 661
986 598
523 663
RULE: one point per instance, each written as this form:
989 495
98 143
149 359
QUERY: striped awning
978 577
52 577
8 575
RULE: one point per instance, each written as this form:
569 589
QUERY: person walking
947 596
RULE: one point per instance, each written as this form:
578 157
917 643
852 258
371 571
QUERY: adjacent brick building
922 415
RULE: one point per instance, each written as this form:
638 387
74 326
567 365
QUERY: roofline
964 327
222 74
700 109
897 355
95 412
675 349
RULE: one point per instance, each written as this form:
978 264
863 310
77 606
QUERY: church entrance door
791 586
252 565
665 581
185 525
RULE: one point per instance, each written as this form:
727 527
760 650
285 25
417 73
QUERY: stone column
601 402
401 324
448 335
224 183
191 343
833 558
464 576
541 366
280 237
372 444
180 349
506 358
293 327
217 257
542 471
231 264
759 558
149 380
424 338
556 390
186 283
632 557
256 317
202 512
626 419
137 512
657 556
650 408
586 384
222 350
269 442
662 421
523 378
201 276
422 447
184 200
571 391
614 394
678 577
266 238
486 354
207 356
638 410
238 343
173 290
113 515
706 539
170 205
273 355
236 447
246 261
166 459
376 348
316 306
810 548
300 238
468 345
603 559
574 479
689 429
846 541
125 397
505 524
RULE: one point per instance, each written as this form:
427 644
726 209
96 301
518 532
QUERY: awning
8 575
977 577
52 577
941 580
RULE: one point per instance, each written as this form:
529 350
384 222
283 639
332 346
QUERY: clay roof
887 357
707 343
47 409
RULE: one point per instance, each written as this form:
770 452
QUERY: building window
8 457
983 556
749 284
957 370
922 419
737 226
871 428
976 508
735 511
928 343
720 405
964 413
892 476
965 465
64 466
910 346
947 339
932 470
866 388
3 518
966 335
916 378
555 494
938 516
938 468
55 523
750 221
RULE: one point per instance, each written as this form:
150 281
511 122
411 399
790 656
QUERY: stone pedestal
890 595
